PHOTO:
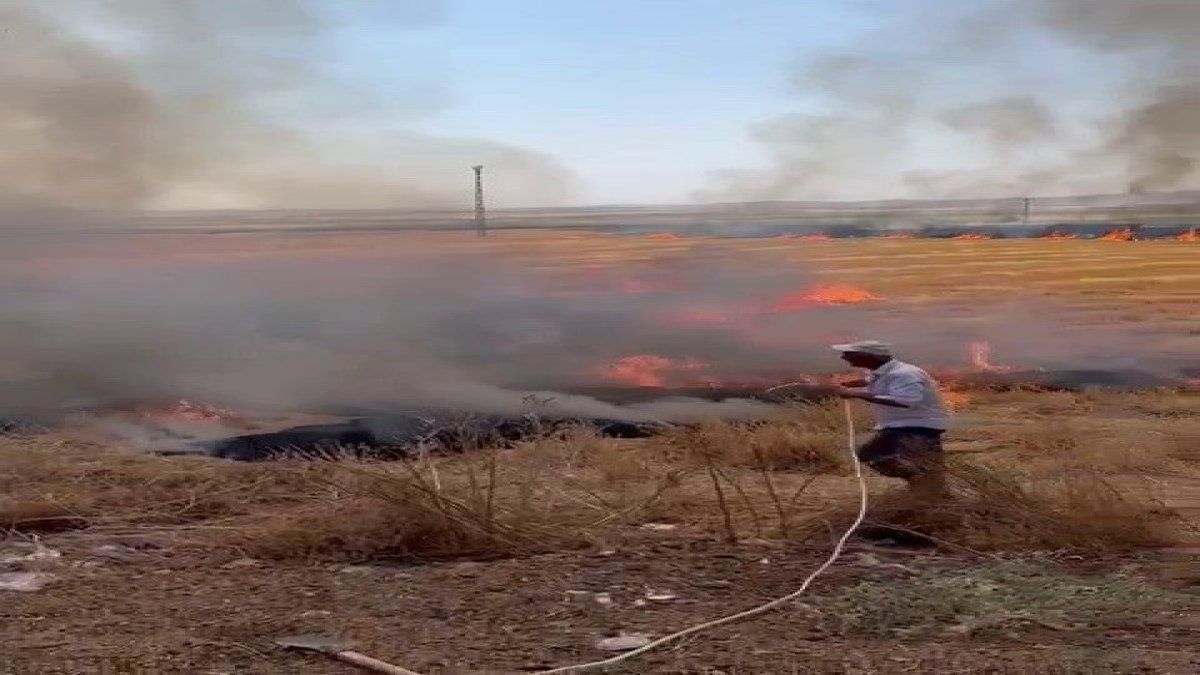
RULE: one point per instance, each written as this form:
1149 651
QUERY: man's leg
927 479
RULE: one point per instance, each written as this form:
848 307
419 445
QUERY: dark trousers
903 452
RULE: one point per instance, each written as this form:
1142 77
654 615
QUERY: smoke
124 104
997 98
307 322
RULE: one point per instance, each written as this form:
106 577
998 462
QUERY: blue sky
644 101
640 98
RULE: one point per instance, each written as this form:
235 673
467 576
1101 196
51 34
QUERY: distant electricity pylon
1028 210
480 212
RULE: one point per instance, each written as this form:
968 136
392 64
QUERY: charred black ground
398 434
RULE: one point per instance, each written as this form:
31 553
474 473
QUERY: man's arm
851 381
902 394
847 392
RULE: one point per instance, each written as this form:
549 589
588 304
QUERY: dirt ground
119 610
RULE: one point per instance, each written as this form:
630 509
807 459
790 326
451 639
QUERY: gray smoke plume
997 98
120 104
308 322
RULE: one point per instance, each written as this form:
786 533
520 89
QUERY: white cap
872 347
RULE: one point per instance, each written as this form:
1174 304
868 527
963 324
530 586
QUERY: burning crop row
1123 234
656 371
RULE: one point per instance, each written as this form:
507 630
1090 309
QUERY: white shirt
905 383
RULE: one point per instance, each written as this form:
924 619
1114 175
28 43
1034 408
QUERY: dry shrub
993 509
808 437
551 493
485 504
46 481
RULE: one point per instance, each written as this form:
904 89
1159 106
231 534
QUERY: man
911 417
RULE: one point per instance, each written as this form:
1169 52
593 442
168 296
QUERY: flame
649 370
665 236
974 236
1124 234
832 294
1191 235
1059 236
953 398
980 358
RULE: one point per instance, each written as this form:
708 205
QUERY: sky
640 98
387 103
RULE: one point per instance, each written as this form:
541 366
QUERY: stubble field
1070 535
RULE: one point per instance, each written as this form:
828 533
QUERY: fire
813 237
649 370
974 236
1124 234
954 399
1191 235
980 358
832 294
665 236
1059 236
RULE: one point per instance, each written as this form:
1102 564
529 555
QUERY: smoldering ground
999 98
451 328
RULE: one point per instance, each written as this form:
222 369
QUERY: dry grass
1060 479
995 510
806 437
48 483
993 597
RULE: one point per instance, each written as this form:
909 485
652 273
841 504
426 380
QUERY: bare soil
113 612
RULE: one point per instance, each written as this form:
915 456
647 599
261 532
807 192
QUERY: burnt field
615 462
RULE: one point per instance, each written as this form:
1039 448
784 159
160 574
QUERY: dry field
1070 536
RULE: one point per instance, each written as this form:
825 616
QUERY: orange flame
1059 236
1191 235
648 370
980 358
954 399
832 294
1124 234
